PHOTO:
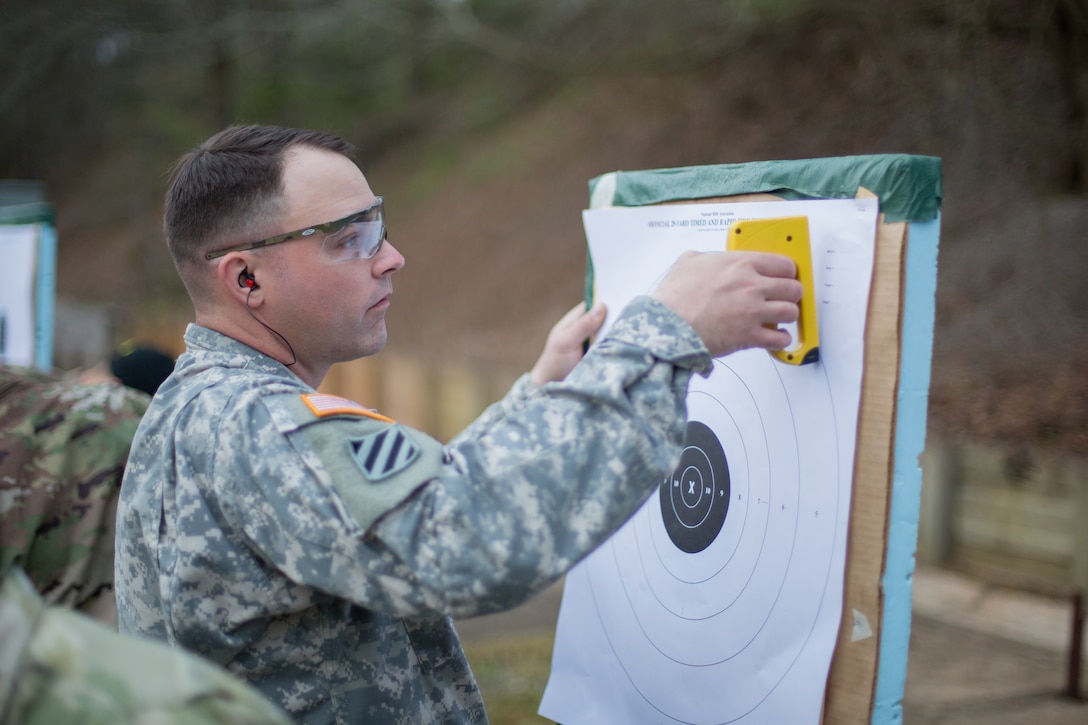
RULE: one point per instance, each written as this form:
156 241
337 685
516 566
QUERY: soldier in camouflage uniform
319 549
58 667
63 448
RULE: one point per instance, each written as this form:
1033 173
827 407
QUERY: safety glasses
358 236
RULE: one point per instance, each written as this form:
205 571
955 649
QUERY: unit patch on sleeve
384 453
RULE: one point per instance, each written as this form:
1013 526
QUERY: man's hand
563 349
733 300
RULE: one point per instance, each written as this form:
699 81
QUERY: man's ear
238 280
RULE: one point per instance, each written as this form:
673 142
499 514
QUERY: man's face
329 311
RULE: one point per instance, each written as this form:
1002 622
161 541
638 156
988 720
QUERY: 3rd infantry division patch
382 454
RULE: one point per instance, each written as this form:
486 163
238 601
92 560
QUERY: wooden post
461 396
1080 583
1071 468
941 473
407 391
1076 647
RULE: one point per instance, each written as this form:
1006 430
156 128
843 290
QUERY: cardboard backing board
852 680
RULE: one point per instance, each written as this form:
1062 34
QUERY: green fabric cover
32 213
909 186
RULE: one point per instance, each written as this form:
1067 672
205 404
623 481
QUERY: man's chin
372 345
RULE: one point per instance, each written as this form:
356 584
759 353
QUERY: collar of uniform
202 342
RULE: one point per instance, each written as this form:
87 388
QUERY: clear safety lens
356 240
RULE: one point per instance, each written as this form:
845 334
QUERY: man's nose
388 260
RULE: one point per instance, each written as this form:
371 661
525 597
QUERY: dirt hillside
490 222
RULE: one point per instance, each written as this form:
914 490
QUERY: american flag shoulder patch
322 405
382 454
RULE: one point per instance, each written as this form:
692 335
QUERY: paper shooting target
717 570
720 600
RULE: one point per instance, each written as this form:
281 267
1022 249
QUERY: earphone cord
294 359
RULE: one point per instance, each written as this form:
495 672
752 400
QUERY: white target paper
18 250
720 601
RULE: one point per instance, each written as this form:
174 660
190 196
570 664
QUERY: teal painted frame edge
916 355
45 296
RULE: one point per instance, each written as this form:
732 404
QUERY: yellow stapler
787 236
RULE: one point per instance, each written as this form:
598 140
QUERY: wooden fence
1012 516
437 398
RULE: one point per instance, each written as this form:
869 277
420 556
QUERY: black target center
695 496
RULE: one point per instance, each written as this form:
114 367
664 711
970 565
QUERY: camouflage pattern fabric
58 667
63 448
266 533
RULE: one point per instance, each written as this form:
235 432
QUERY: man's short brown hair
230 187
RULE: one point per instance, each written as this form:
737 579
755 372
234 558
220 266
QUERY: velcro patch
384 453
322 405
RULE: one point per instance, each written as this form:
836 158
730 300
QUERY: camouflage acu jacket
63 448
319 550
58 667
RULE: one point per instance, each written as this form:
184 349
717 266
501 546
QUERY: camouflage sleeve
554 477
59 667
63 448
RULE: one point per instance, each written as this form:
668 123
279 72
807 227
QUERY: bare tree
1068 41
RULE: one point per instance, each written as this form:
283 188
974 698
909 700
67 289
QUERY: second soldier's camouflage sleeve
63 448
59 667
